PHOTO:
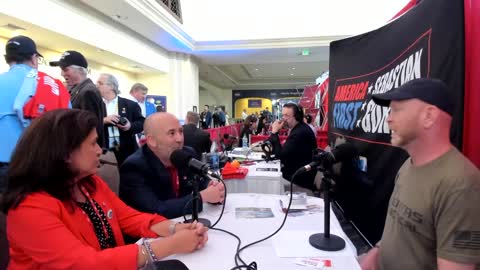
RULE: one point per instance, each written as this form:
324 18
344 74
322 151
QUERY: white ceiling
247 44
210 20
60 43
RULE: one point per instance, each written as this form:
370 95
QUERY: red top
174 178
44 234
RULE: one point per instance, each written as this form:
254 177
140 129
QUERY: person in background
150 182
297 151
221 117
215 118
206 117
195 137
244 114
248 128
138 93
62 216
84 94
124 118
227 119
262 125
433 219
22 57
308 120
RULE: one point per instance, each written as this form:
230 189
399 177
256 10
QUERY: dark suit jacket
128 143
85 96
296 153
197 139
146 185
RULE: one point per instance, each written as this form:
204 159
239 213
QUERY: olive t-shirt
434 211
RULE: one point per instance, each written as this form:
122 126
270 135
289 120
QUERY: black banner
425 42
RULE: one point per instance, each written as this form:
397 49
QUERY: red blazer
43 234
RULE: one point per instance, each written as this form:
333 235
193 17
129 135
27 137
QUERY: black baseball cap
431 91
70 58
21 45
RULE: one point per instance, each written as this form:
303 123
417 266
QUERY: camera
122 121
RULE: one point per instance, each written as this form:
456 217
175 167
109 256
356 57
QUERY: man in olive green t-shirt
433 219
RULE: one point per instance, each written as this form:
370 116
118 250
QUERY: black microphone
227 136
183 159
342 152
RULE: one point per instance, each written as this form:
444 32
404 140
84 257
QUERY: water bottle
214 156
245 141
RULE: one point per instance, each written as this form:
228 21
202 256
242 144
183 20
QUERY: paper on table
294 244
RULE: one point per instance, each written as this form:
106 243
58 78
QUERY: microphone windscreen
180 158
344 152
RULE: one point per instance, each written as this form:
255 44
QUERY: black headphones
297 110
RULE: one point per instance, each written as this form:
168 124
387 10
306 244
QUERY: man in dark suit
124 119
195 137
84 94
148 180
297 150
206 117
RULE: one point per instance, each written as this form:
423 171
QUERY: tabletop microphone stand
195 201
326 241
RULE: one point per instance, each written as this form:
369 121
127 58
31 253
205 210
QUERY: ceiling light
293 68
291 74
256 69
119 17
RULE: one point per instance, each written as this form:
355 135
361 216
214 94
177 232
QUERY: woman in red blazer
62 216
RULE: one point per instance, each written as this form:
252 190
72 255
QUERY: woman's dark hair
39 162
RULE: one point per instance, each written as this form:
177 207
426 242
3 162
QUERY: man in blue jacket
22 57
148 180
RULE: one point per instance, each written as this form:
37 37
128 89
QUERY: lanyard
97 212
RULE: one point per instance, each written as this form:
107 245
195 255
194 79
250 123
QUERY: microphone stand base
332 243
204 221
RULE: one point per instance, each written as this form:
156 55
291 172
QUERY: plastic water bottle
214 156
245 141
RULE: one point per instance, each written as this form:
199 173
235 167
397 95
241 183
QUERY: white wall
214 95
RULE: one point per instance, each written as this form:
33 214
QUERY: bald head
153 122
164 135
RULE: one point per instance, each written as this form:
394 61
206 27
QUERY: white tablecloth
221 247
262 177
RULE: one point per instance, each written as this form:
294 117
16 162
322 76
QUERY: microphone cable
253 265
223 205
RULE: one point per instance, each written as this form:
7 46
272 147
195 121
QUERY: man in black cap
433 219
84 93
22 57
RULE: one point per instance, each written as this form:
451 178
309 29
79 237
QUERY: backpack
50 94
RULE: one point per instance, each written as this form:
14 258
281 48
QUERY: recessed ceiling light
293 68
256 69
119 17
291 74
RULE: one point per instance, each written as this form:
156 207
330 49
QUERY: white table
262 177
221 247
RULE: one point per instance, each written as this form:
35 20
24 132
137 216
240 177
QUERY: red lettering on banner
351 92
